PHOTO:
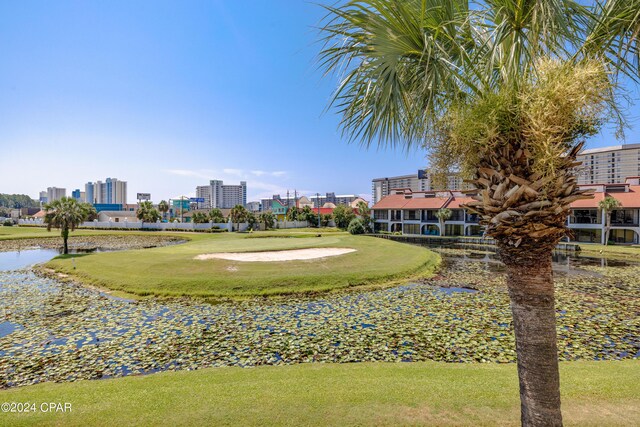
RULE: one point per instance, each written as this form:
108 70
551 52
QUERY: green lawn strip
173 271
426 393
610 251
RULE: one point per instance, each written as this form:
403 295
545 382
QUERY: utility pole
318 201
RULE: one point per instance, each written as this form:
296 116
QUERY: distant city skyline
167 96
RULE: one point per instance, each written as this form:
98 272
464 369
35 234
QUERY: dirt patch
274 256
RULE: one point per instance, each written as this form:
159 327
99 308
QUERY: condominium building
414 213
78 195
55 193
218 195
43 197
339 199
421 181
609 165
112 191
253 206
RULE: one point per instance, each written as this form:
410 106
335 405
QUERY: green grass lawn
173 271
610 251
428 393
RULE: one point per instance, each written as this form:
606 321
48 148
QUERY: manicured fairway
173 271
429 393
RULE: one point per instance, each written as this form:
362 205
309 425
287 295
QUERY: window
411 228
380 214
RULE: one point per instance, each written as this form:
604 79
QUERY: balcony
624 218
585 216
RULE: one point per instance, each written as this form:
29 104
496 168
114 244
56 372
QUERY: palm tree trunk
531 291
65 237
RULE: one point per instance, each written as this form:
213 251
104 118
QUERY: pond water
15 260
78 333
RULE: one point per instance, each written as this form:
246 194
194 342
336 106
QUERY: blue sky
168 95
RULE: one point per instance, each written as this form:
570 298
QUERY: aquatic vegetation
66 332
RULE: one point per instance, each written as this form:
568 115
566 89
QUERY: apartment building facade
221 196
609 165
55 193
414 213
111 191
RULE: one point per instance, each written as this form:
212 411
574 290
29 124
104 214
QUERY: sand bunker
269 256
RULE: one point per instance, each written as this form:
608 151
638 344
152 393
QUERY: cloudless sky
168 95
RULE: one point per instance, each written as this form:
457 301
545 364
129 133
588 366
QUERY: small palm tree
199 218
147 213
163 207
66 214
238 215
268 219
607 205
90 211
364 212
293 214
443 215
215 216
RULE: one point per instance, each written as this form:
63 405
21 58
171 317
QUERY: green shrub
7 223
356 226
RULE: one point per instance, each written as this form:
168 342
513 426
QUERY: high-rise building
609 165
422 181
55 193
43 197
218 195
78 195
112 191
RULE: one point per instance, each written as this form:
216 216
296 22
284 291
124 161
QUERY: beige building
609 165
55 193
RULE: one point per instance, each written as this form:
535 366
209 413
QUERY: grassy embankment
426 393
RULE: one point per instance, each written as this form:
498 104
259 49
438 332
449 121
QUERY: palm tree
66 214
199 218
364 212
90 211
443 215
607 205
215 216
238 215
163 207
147 213
505 92
293 214
268 218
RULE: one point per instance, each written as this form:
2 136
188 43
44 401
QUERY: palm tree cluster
504 92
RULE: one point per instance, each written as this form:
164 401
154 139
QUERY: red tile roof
398 201
630 199
588 203
458 201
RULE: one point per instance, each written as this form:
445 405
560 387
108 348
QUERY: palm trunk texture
526 212
530 284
